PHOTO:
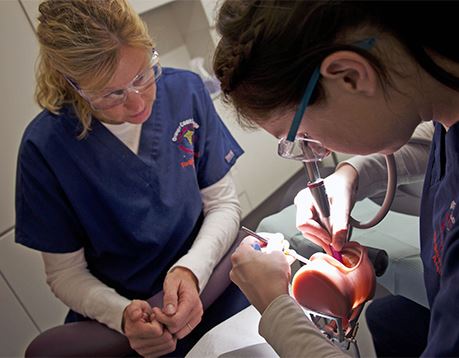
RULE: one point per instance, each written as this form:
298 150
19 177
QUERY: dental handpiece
319 194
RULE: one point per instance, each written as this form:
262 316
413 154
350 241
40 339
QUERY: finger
149 330
249 240
245 249
189 327
157 347
339 239
189 308
170 298
161 349
136 309
313 231
177 321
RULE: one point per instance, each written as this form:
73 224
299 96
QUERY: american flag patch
229 156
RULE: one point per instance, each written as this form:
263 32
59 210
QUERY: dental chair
93 339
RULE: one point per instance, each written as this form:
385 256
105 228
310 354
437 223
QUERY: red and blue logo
186 137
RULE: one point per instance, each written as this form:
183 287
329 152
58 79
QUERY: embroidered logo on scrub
185 136
439 236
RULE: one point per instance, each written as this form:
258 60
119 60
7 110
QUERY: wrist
351 174
268 297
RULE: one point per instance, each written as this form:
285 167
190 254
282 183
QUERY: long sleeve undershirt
70 280
286 328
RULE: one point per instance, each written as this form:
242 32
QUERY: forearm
218 231
71 282
286 328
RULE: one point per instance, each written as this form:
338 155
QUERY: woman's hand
146 335
261 276
182 307
341 187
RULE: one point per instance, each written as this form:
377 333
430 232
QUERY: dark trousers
399 326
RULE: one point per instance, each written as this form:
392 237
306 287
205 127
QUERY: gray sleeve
290 333
411 161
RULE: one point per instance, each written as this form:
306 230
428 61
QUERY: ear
351 71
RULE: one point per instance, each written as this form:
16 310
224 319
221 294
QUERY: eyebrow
112 89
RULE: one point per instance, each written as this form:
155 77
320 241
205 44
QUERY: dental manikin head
335 288
326 285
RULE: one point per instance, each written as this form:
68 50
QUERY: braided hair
269 49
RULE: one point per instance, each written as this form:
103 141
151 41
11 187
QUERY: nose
134 101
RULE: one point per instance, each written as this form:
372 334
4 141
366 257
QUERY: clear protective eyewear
303 148
114 97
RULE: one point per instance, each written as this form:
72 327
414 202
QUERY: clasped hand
154 331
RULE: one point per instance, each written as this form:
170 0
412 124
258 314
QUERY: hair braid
229 68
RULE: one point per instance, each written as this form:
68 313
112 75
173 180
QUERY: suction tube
388 199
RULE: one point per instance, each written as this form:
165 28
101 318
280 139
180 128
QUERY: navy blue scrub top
134 215
439 225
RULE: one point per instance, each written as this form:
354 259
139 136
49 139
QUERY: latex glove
182 307
261 276
146 335
341 187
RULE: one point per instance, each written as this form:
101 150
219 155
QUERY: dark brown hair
269 48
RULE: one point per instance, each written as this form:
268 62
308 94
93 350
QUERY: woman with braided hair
359 78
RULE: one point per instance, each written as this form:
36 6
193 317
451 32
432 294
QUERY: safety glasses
304 148
114 97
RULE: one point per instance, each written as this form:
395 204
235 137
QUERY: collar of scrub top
365 44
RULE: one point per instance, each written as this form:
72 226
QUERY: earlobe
351 71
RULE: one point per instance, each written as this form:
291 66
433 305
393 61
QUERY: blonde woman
123 179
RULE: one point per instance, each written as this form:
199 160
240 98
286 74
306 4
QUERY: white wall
26 304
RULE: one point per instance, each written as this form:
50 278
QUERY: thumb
340 237
340 220
170 297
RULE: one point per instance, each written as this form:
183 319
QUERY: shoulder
47 127
38 127
178 79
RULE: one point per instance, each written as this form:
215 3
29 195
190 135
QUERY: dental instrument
285 249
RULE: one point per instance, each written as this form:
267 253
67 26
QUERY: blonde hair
80 40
